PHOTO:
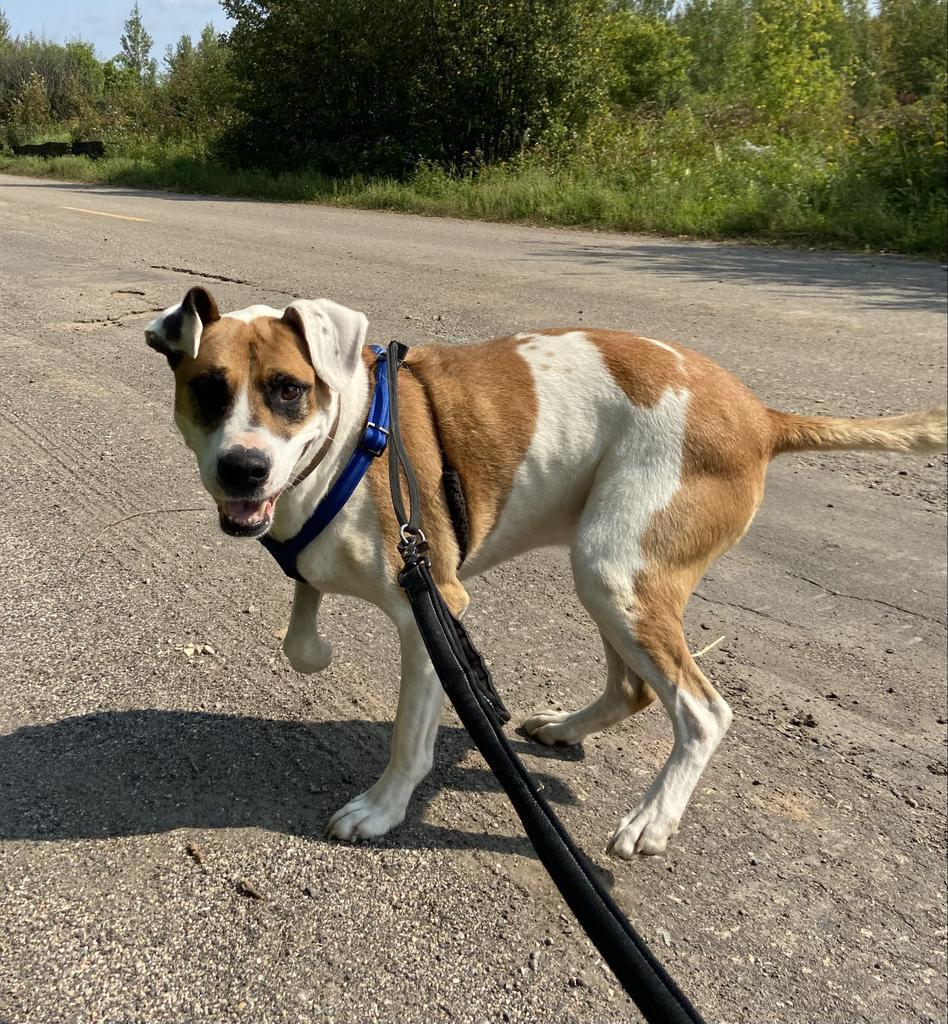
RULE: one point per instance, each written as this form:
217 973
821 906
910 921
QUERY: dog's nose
243 469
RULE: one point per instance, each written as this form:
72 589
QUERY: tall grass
670 179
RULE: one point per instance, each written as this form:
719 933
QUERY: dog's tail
915 432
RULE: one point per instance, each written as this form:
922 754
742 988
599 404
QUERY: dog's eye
285 395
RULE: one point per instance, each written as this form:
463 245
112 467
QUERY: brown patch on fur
724 462
642 369
250 355
486 409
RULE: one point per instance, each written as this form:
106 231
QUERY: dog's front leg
420 695
306 650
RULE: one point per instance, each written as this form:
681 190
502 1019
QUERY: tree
135 57
853 50
794 80
910 37
649 60
198 87
69 76
4 27
646 8
719 34
29 113
349 85
180 57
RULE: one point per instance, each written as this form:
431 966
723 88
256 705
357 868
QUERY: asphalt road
145 707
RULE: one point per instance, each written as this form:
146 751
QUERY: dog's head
255 390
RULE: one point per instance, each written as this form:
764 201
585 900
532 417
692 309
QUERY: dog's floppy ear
177 331
334 335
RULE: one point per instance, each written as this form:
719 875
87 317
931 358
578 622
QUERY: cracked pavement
165 776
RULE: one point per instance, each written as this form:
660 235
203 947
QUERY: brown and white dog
646 459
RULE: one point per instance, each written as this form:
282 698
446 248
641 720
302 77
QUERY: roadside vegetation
803 121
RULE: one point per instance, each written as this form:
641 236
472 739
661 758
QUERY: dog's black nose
242 470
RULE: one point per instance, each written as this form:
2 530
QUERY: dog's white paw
307 652
645 831
551 727
368 816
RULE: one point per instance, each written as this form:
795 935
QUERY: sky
101 23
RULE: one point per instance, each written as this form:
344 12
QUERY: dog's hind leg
624 695
305 649
635 584
651 526
700 717
642 620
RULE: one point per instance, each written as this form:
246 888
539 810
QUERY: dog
643 457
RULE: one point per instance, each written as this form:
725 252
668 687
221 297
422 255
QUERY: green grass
791 194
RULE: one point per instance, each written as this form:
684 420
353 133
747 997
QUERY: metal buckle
374 443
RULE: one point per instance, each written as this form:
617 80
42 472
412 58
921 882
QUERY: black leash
467 681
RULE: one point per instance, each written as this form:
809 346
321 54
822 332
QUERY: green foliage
655 9
673 180
900 152
854 50
198 89
649 60
792 76
911 39
344 84
719 33
30 110
135 57
48 89
43 83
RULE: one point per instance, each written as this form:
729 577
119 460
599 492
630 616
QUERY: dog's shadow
122 773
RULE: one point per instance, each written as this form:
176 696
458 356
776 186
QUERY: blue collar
371 445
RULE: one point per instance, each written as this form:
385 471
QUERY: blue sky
101 23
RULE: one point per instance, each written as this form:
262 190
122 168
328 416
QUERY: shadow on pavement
124 773
884 282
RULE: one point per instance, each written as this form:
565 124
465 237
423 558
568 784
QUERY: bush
649 61
900 153
792 77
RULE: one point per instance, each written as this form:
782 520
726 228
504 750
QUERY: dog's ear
177 332
334 335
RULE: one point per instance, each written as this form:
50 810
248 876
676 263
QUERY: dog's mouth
246 518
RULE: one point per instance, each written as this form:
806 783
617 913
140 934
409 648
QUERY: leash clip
413 547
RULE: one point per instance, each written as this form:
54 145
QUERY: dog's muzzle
243 473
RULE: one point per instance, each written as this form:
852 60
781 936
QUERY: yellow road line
99 213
